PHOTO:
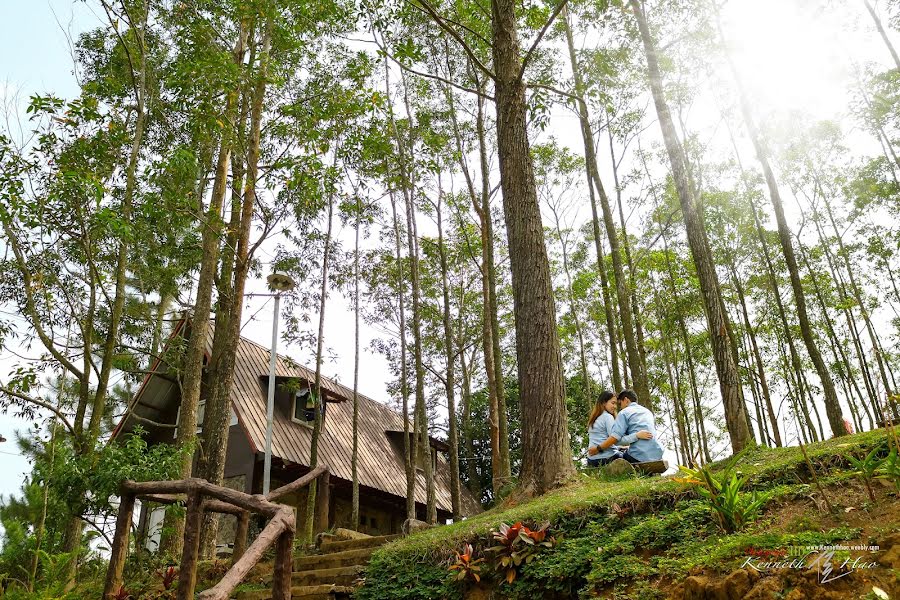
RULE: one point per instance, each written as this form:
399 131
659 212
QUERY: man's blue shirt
634 418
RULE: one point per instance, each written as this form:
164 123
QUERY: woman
599 423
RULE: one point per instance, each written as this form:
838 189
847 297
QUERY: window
201 414
420 463
304 409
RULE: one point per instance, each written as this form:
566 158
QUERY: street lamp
279 283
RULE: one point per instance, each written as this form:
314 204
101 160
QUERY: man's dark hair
628 394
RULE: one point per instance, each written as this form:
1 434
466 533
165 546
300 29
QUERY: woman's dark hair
602 399
628 394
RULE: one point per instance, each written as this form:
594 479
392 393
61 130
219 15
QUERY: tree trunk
754 388
795 360
622 295
409 463
234 264
832 406
192 375
354 460
841 287
468 440
573 310
736 419
699 420
423 442
320 399
757 356
490 323
504 472
683 434
632 274
882 33
450 381
857 295
546 453
423 435
837 348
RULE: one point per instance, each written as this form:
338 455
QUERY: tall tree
832 406
546 455
622 294
737 420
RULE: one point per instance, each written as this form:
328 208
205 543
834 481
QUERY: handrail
297 484
201 496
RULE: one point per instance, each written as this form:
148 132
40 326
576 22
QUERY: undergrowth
623 535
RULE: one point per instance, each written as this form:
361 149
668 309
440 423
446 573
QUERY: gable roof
381 464
380 461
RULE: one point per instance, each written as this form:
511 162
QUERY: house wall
374 518
240 459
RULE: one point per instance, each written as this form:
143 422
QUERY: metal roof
381 464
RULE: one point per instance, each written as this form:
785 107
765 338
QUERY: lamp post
279 283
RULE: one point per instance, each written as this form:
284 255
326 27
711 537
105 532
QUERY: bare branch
37 402
550 88
31 309
429 75
130 414
455 35
539 37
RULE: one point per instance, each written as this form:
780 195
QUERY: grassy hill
645 538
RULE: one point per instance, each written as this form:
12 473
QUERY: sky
36 59
791 56
34 34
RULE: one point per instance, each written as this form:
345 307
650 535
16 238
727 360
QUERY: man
634 419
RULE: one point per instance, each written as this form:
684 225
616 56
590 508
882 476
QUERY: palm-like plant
866 468
732 508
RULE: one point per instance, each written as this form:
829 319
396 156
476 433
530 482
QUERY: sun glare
790 57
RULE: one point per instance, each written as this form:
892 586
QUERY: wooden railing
201 496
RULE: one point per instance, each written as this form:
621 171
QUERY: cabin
382 479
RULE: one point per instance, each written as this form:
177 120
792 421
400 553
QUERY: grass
766 467
631 529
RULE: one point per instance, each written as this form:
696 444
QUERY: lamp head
279 281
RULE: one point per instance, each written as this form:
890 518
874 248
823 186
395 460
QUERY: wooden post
240 536
119 546
283 521
323 494
187 574
284 559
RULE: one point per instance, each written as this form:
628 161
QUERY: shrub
866 468
732 508
466 566
889 469
516 544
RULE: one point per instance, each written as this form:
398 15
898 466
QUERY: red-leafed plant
122 594
517 544
466 566
168 577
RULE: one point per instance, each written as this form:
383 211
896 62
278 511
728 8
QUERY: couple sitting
632 427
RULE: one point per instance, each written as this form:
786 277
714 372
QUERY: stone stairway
332 574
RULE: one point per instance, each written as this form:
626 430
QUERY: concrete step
333 560
303 592
339 576
329 546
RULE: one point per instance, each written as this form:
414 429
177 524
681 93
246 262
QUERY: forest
519 203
